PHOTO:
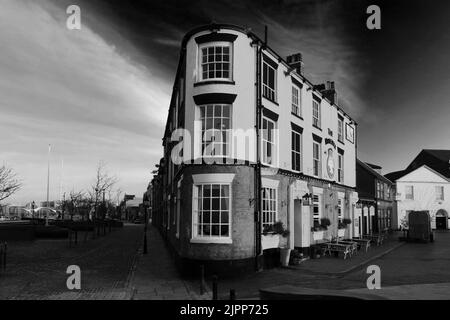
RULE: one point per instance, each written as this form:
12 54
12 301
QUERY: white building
425 186
229 81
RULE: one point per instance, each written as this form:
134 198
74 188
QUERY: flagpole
48 183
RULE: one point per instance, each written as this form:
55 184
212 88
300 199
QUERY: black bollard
202 279
145 243
214 287
232 294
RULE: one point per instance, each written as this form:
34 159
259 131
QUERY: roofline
251 34
427 167
363 164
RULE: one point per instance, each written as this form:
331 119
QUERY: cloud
74 90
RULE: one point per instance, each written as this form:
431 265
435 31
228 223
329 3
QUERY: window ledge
297 116
207 82
212 240
318 128
268 99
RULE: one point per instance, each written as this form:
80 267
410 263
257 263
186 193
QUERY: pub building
302 160
376 200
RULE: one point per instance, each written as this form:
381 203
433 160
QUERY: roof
373 166
443 155
393 176
134 203
372 171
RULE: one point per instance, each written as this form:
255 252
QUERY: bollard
232 294
202 280
214 287
145 242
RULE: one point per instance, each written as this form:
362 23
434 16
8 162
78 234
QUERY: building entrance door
441 220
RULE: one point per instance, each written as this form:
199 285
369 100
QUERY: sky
102 93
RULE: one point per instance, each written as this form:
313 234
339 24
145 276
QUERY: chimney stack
296 61
328 90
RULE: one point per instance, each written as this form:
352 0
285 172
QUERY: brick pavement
156 277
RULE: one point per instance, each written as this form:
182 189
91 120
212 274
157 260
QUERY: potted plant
285 253
269 238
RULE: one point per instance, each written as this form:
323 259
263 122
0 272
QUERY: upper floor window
216 61
296 151
269 207
439 193
216 126
409 192
316 159
316 113
268 141
296 101
269 81
340 168
340 129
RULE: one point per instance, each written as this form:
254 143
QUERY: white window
216 128
409 192
211 214
317 212
215 61
316 114
296 151
316 159
439 193
269 141
340 129
269 81
340 211
296 101
269 207
340 168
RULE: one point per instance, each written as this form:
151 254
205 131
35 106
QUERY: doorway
441 220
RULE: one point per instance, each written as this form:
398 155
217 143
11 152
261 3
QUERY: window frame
340 170
340 131
442 198
319 160
317 204
296 153
195 237
318 118
215 44
266 67
273 143
298 104
272 205
409 196
203 123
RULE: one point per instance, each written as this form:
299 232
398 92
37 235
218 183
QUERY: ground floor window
340 211
211 214
316 210
269 207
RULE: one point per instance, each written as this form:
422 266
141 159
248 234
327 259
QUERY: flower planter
270 241
341 232
318 235
285 254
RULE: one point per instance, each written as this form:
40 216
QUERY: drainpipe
257 175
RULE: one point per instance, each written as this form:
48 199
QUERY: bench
376 238
363 243
354 246
346 249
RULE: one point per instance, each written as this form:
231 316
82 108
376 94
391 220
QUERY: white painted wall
424 180
244 62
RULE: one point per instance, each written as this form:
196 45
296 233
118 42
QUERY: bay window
215 61
216 129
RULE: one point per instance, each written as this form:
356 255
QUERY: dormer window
215 61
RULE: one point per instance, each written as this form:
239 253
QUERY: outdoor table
337 247
363 243
374 237
353 244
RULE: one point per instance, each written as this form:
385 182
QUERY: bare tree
9 184
103 183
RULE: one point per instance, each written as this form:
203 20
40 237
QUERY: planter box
341 232
318 235
270 241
